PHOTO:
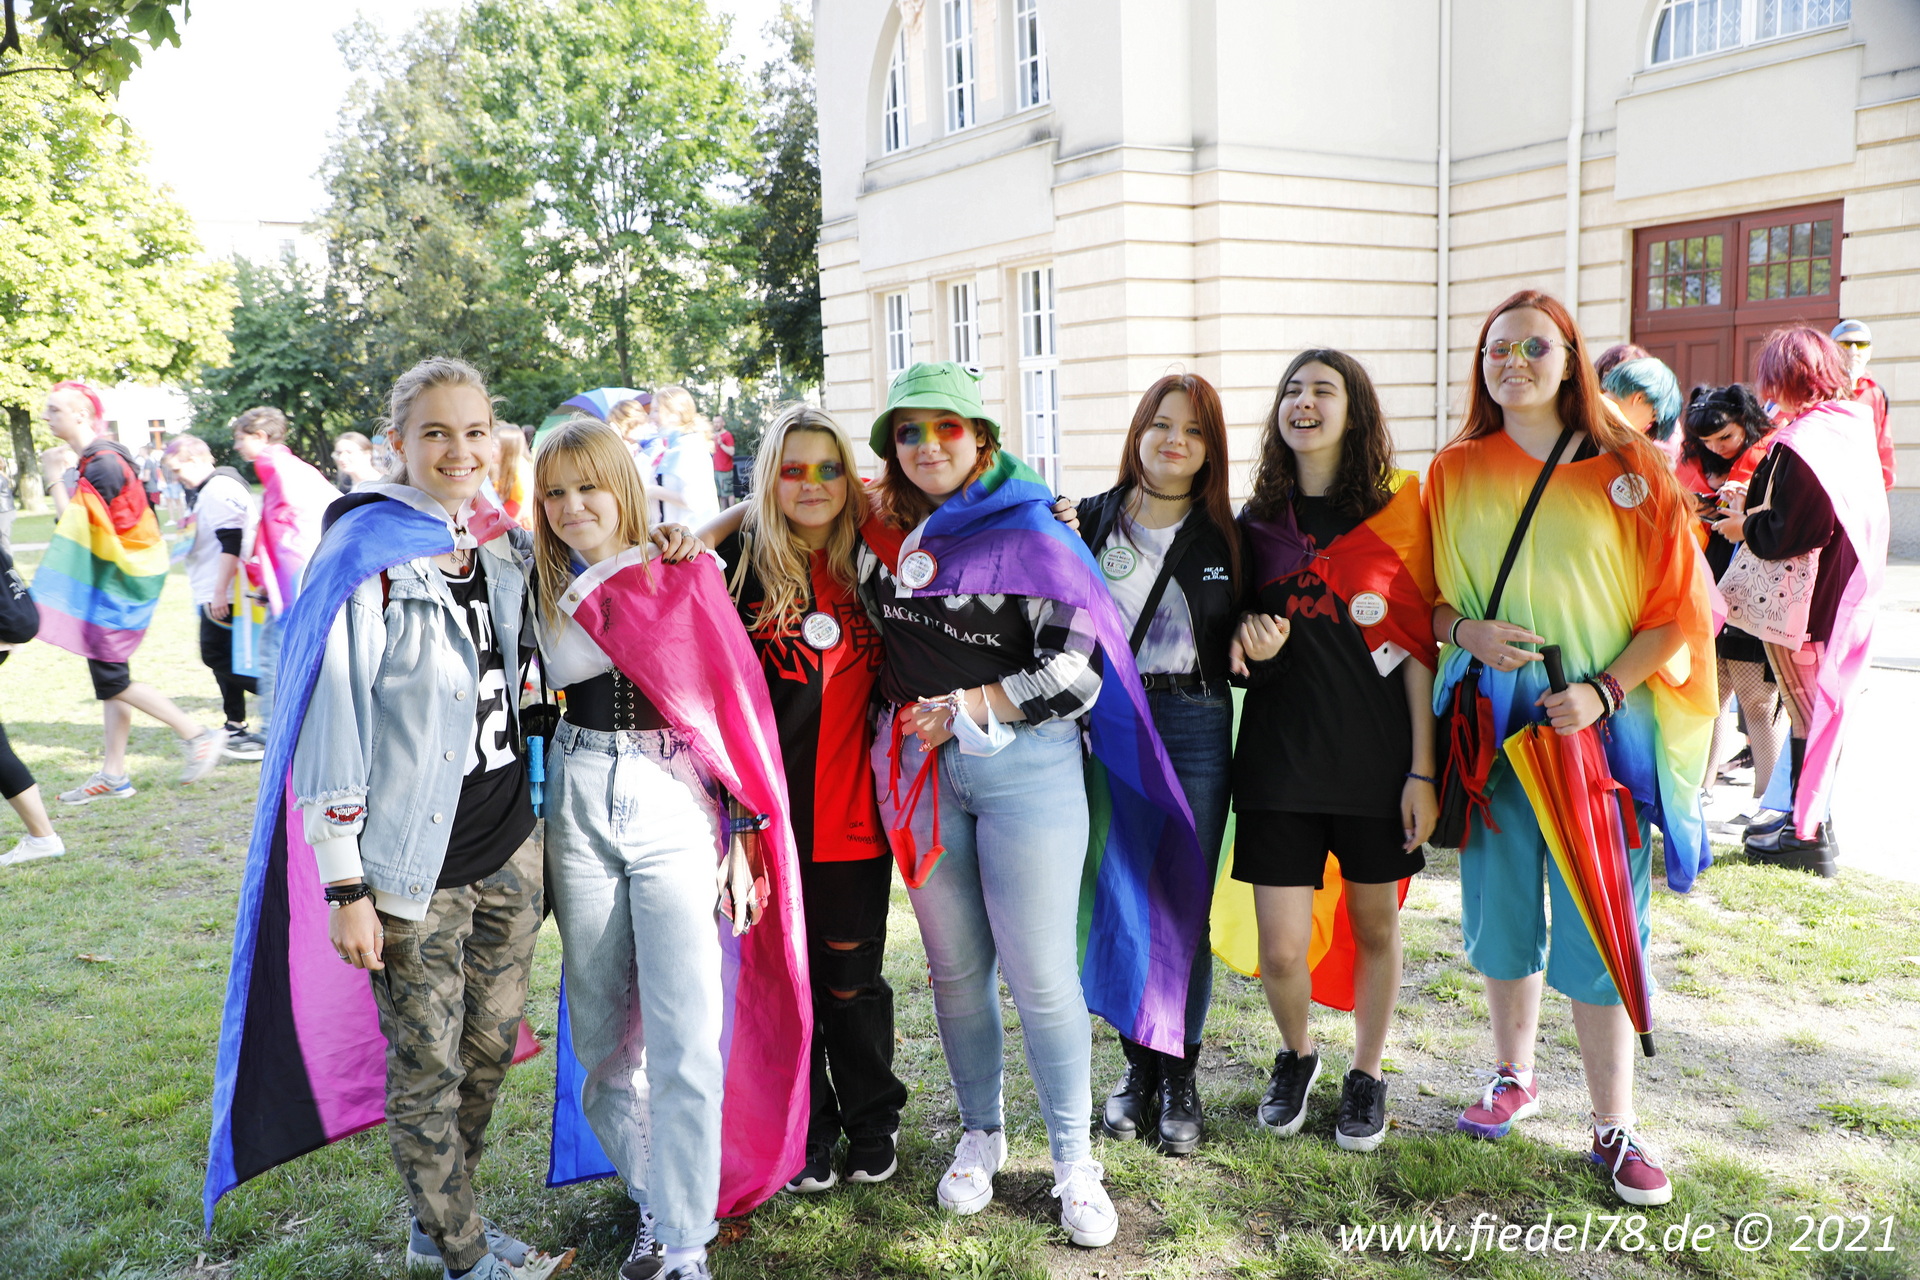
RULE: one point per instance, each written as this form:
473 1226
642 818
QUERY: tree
100 272
98 44
620 126
785 193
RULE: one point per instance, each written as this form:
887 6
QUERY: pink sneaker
1504 1101
1637 1176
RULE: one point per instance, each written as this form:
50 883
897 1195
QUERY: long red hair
1211 494
1580 406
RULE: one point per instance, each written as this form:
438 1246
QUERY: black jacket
1202 567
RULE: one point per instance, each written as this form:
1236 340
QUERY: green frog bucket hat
932 385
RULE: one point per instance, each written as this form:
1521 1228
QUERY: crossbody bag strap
1159 588
1526 518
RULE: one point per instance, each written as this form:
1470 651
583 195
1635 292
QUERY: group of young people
759 718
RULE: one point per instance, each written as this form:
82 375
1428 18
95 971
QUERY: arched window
893 106
1693 28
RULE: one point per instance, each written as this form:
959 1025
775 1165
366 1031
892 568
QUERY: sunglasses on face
812 472
945 430
1854 345
1531 348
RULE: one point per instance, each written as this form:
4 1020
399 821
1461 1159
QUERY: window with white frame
1039 372
1693 28
963 324
893 109
1030 55
956 28
899 334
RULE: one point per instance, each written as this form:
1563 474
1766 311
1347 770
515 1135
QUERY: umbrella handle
1556 673
1646 1043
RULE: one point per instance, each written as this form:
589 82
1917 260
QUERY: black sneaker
244 745
873 1159
1362 1125
648 1255
817 1173
1284 1108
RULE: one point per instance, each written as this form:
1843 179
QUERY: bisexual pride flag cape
1381 573
302 1062
673 631
100 580
1144 890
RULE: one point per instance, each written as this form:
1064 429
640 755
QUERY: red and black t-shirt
820 671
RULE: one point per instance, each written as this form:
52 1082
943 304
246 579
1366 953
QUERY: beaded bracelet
1421 777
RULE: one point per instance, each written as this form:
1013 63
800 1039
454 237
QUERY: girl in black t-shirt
1336 747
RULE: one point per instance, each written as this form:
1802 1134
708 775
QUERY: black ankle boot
1816 854
1181 1122
1132 1108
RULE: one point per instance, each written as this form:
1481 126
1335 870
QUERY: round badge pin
1369 608
821 630
917 569
1118 561
1628 491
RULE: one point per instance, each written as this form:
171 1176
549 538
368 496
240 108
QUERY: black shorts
1282 849
110 679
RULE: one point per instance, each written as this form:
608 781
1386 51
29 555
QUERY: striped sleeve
1063 682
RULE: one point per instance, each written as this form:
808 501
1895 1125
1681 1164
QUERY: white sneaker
1085 1211
33 847
967 1186
201 754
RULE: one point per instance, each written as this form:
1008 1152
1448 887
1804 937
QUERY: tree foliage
785 231
100 272
97 43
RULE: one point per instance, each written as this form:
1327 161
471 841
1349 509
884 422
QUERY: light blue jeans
631 858
1008 890
269 662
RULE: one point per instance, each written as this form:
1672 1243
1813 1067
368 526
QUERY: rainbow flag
1382 569
100 580
301 1060
1144 889
673 631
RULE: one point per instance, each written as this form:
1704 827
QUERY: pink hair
1801 366
93 397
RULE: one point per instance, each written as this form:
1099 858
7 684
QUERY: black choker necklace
1167 497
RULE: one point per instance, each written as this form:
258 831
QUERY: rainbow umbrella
1587 820
600 401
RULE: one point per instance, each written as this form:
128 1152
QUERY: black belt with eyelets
609 703
1166 680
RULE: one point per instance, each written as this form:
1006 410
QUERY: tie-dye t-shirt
1606 557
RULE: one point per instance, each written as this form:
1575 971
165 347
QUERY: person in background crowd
633 419
1648 397
294 496
1165 536
792 577
153 477
1610 573
1725 435
512 475
723 454
16 781
1618 353
222 508
1819 489
8 505
1336 753
57 471
353 459
99 606
1855 341
684 485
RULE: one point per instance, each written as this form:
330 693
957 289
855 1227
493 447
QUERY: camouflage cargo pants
450 1001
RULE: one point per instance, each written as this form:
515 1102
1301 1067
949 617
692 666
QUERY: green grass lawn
1786 1084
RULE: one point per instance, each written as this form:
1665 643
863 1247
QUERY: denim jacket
378 767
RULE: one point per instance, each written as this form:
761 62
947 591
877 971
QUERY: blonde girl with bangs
791 574
632 838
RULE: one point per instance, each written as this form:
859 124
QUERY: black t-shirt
936 644
496 806
1321 730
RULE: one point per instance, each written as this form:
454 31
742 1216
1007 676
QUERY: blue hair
1652 379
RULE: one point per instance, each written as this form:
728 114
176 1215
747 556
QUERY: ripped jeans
854 1090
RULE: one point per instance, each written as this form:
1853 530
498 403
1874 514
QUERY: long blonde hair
675 402
780 560
597 452
434 371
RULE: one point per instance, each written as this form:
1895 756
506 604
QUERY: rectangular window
1790 260
1790 17
899 334
1030 55
963 346
1685 272
1039 372
956 23
893 111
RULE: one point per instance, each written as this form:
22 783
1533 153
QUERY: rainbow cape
301 1060
1390 556
674 632
100 580
1144 890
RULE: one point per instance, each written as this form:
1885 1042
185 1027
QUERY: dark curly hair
1712 410
1362 484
